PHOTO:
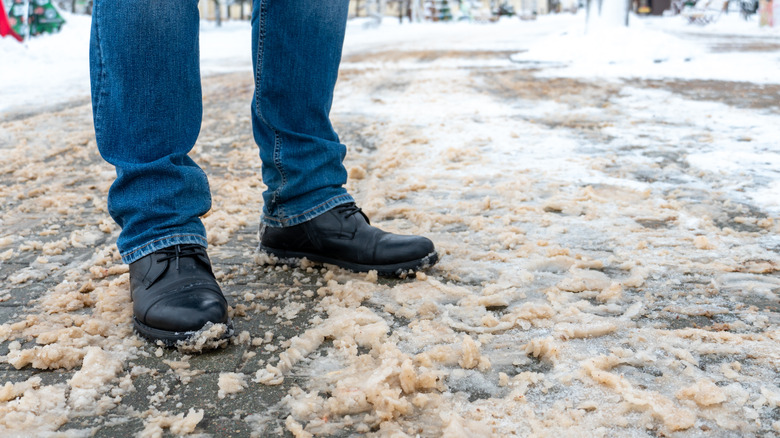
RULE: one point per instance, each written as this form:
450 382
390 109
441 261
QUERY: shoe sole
392 270
177 339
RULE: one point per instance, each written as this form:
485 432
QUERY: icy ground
608 221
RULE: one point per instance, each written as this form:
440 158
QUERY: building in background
415 10
218 10
653 7
444 10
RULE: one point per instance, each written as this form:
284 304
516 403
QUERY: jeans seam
101 66
206 178
278 164
277 161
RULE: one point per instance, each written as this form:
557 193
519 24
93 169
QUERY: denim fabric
296 50
147 108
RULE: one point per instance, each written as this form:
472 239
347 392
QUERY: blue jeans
147 109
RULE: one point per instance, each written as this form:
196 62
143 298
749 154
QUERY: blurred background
439 10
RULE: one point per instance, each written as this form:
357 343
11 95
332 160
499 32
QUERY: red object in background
5 27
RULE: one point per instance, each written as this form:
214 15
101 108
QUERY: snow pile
178 424
225 49
231 383
52 68
731 24
655 48
602 47
89 383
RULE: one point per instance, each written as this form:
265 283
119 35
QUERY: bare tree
218 12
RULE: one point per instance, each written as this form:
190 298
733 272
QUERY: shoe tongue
183 263
186 263
352 210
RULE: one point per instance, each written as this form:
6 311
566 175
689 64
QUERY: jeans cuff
164 242
308 214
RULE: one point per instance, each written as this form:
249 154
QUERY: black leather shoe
344 237
175 294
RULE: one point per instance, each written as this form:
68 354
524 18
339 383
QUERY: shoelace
178 251
351 209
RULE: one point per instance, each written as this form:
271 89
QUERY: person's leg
146 100
296 48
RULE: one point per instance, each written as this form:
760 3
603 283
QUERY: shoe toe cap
396 248
187 311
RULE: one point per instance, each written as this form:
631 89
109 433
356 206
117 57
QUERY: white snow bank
621 45
51 69
654 48
225 49
730 24
54 68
